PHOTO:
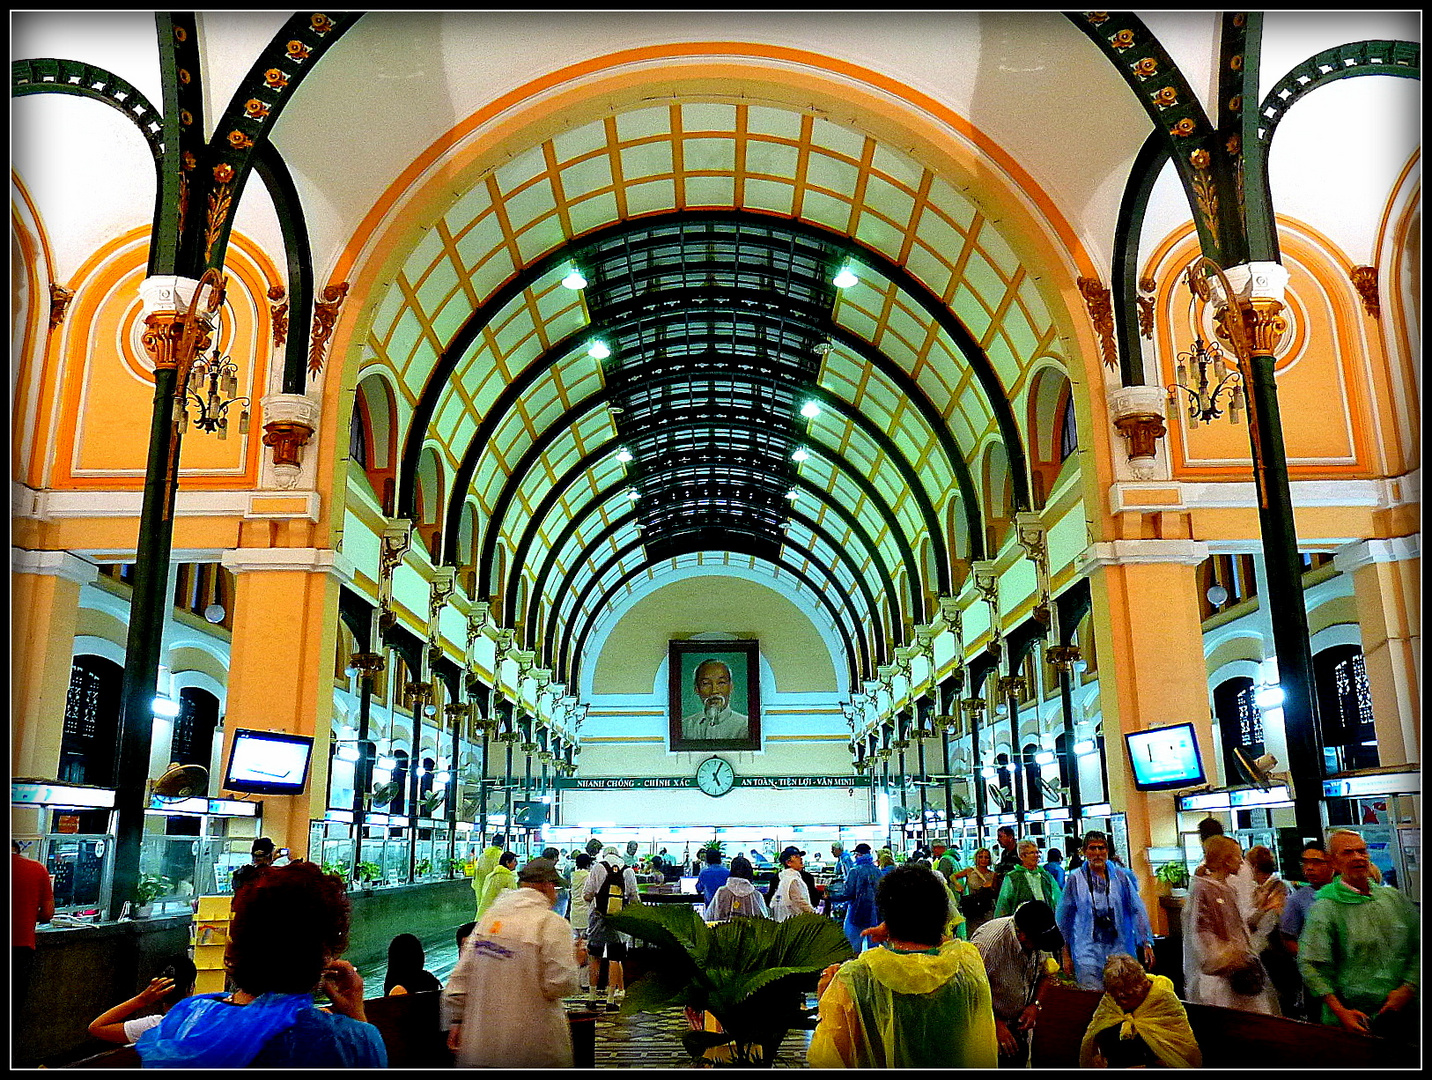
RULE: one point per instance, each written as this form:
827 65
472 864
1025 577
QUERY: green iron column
176 331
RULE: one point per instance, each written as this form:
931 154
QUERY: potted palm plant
150 888
751 974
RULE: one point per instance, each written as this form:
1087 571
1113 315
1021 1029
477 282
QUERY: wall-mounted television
529 815
268 762
1165 758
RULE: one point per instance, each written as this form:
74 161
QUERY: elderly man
1358 950
1027 881
1101 913
919 1001
1317 872
504 998
716 720
1015 948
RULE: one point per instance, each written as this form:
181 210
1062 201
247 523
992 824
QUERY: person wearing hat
610 887
1020 952
858 895
504 998
791 895
262 854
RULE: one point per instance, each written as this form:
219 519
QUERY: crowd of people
949 963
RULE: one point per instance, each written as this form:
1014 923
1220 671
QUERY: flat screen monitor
268 762
529 815
1165 758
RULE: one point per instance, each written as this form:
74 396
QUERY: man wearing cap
791 895
1015 948
504 997
262 855
858 895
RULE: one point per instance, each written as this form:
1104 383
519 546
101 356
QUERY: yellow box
209 957
214 908
209 982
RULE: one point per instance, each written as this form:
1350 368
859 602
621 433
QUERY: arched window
430 501
1068 429
999 498
375 423
399 805
89 738
1345 709
193 741
1240 723
1033 790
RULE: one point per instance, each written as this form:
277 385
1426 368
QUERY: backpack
611 896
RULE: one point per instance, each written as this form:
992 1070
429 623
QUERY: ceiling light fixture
598 350
799 455
623 455
633 494
574 279
845 279
793 494
810 410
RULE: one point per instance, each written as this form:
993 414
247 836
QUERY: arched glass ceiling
927 350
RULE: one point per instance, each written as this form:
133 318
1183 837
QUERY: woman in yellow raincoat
919 1001
1139 1021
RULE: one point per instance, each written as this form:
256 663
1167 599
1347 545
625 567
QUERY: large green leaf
659 989
667 926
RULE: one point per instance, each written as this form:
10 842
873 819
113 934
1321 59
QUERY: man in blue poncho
288 930
1101 913
858 895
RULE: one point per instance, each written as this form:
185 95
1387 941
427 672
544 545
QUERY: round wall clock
715 776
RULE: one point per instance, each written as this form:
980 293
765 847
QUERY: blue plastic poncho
202 1032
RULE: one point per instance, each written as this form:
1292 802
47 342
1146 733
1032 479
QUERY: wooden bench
411 1026
1227 1038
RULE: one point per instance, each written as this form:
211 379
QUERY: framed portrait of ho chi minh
715 695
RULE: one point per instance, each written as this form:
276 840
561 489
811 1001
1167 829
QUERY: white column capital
1136 552
60 564
302 560
167 292
1252 281
1362 553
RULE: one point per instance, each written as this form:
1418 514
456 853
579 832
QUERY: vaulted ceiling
714 386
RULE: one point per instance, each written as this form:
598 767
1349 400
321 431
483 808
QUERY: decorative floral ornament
223 173
1198 159
1183 128
1166 97
1146 67
297 50
275 79
1122 40
256 109
321 23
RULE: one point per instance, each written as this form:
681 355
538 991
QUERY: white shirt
791 896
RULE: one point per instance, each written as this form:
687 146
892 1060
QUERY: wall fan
1001 797
181 782
899 814
384 793
961 805
432 800
1053 792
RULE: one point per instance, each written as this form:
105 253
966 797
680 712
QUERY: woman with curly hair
289 928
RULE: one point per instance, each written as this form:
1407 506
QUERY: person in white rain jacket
504 998
791 896
738 896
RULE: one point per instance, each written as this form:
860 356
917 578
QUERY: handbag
1249 979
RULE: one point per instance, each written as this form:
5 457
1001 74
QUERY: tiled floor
635 1041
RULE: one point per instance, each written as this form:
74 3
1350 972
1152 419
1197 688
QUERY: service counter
80 972
431 910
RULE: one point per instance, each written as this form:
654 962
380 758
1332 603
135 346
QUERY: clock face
715 776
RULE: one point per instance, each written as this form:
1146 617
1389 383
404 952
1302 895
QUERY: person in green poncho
1359 947
485 862
502 878
1027 881
918 1001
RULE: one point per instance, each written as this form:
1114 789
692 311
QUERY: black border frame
1167 785
250 787
749 650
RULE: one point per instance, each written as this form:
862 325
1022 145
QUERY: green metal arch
50 75
598 499
550 501
426 406
549 646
